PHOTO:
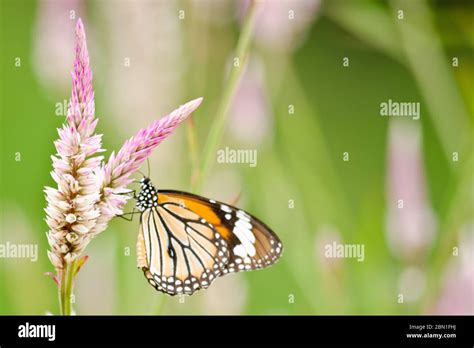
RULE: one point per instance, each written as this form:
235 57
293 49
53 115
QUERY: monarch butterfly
187 241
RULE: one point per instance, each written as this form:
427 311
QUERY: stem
65 290
242 51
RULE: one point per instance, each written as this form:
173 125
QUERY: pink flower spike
82 107
72 206
135 150
115 175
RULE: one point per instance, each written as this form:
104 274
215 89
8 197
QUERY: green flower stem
65 289
215 135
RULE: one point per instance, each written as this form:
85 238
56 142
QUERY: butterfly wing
177 251
187 241
250 242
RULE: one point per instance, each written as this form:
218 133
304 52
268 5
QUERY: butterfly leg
130 214
133 192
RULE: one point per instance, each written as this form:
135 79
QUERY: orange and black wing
187 241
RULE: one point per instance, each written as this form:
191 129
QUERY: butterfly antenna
142 173
148 166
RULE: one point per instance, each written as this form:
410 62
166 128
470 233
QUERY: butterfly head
148 196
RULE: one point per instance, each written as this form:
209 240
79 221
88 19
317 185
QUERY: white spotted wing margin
188 241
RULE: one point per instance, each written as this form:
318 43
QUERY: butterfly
187 241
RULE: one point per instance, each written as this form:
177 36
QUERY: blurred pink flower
88 194
280 24
457 295
52 45
410 220
148 64
250 114
326 236
145 64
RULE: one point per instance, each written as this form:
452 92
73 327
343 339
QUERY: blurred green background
300 107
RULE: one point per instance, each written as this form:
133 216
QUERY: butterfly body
187 241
